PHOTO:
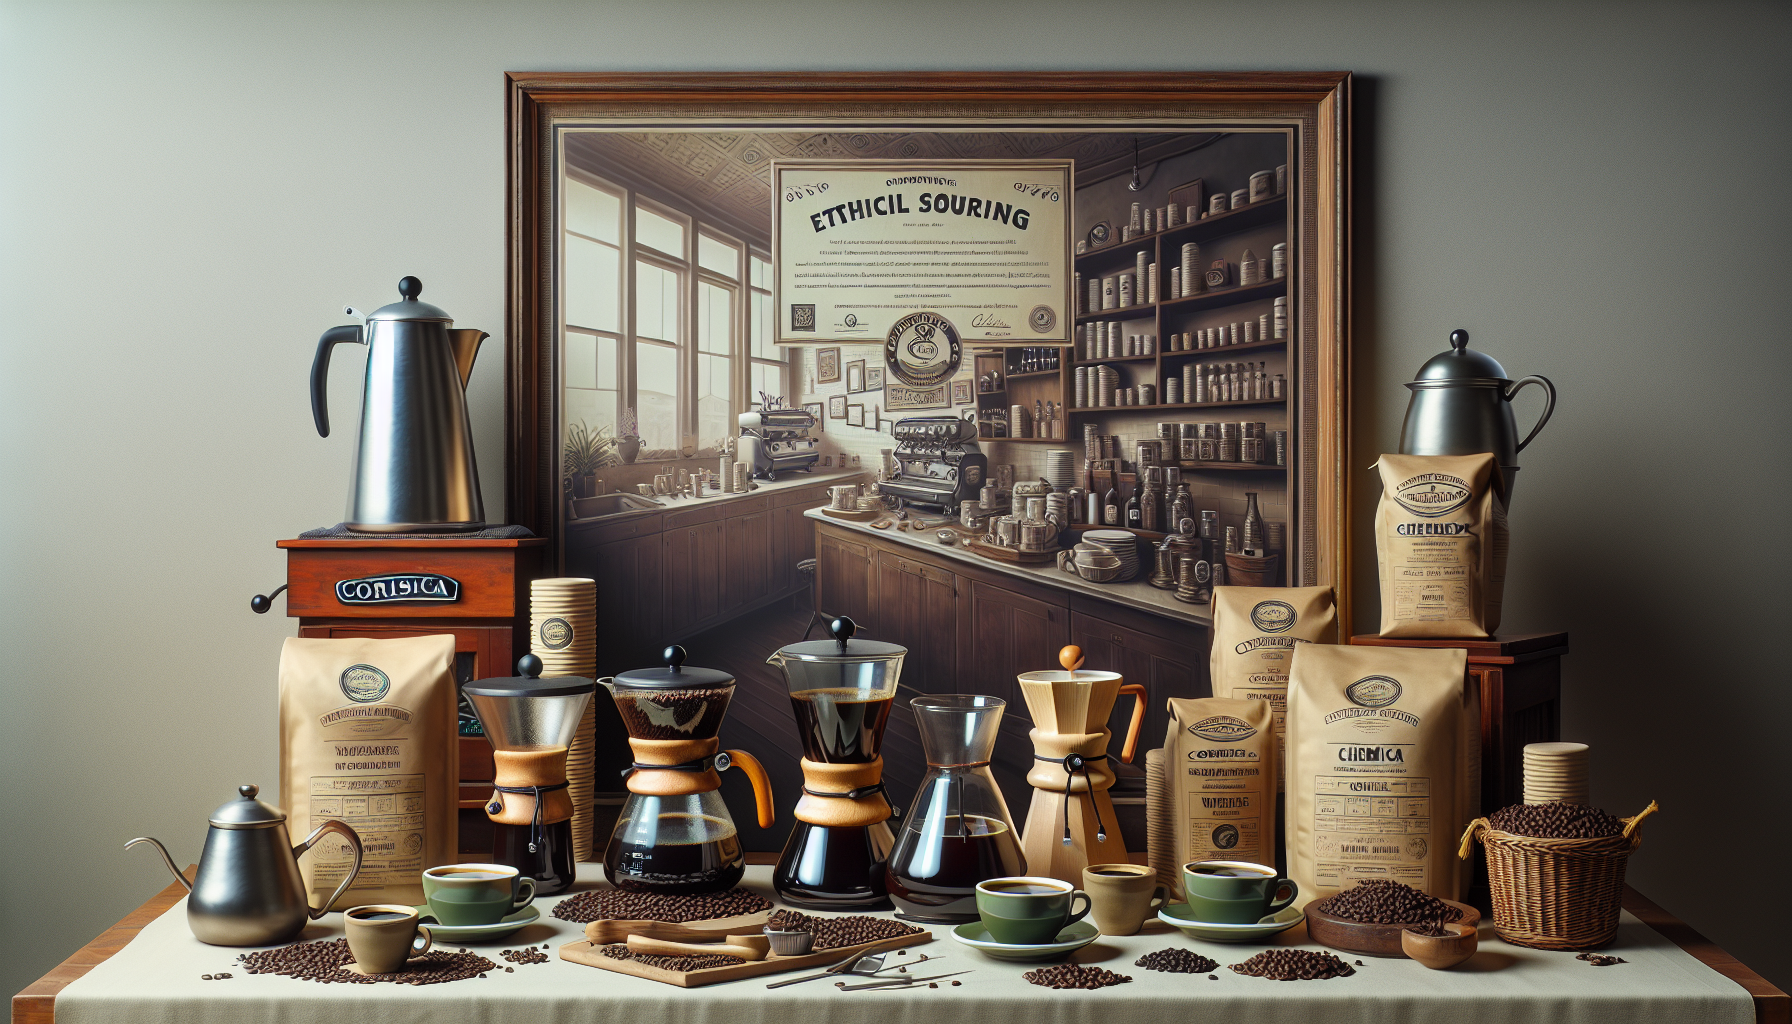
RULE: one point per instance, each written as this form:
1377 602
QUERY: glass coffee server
959 831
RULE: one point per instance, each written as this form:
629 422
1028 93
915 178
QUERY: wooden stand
1520 676
488 620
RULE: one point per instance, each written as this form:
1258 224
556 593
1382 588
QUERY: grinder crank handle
1138 718
762 786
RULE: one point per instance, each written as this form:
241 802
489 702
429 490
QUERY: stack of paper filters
1160 811
1556 771
563 634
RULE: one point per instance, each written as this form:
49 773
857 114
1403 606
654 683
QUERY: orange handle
1138 718
762 786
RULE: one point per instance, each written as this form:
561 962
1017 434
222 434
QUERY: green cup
1234 891
471 894
1028 910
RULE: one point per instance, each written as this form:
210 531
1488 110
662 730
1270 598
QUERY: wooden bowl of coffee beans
1371 917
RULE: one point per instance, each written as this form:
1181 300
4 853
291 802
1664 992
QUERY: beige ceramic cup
1122 896
384 935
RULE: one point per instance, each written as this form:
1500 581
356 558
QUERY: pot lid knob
246 811
410 288
674 657
1071 657
528 666
1460 363
842 629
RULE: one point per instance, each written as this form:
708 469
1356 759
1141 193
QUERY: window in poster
984 244
855 415
837 407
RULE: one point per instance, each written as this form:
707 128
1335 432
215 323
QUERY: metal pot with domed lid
675 834
1462 405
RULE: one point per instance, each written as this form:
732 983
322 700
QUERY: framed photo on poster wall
697 150
855 415
855 377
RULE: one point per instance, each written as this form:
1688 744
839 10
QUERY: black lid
675 676
1460 363
529 683
843 647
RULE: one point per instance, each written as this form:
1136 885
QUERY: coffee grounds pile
530 955
1176 961
1556 820
323 961
1074 976
672 963
834 932
1383 901
674 715
617 905
1294 965
1601 959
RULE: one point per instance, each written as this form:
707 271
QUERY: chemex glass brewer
840 690
958 832
675 834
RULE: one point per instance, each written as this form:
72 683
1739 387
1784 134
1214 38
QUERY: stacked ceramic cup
563 634
1555 771
1060 468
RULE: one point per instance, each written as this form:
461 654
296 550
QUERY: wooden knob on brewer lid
1071 657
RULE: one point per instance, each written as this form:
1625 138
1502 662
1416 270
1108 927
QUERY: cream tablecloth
156 978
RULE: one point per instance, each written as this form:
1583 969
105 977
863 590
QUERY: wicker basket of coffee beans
1556 871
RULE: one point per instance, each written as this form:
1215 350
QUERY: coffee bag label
1221 761
1255 632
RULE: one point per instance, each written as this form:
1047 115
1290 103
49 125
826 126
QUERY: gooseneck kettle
1462 405
248 891
414 469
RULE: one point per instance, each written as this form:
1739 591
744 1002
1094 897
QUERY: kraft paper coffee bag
368 736
1255 631
1221 763
1440 545
1384 759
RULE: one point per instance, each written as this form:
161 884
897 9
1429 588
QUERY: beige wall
189 193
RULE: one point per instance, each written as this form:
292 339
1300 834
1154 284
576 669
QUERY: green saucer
1177 915
1071 939
475 932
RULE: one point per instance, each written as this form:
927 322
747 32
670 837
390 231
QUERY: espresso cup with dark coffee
1028 910
384 935
474 894
1235 891
1121 896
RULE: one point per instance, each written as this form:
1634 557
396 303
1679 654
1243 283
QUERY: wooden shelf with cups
1023 388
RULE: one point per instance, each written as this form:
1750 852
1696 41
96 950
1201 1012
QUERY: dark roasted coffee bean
1213 977
1381 901
955 981
1556 821
1294 965
207 977
1176 961
617 905
323 962
835 932
1074 976
620 951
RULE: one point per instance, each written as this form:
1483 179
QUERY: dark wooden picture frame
837 407
1311 108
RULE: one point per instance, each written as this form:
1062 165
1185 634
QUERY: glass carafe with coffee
958 832
841 691
530 723
675 834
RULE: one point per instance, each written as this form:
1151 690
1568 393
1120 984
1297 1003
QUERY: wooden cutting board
590 955
601 933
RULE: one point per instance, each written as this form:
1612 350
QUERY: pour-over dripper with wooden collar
1071 822
675 834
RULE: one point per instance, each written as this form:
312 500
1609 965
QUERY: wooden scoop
1440 952
747 947
602 933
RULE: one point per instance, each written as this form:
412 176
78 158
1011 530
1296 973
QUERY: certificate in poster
860 245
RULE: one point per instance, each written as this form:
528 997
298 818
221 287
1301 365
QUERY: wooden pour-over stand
1070 775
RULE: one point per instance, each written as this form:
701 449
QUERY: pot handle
351 334
354 841
1131 746
762 786
1549 403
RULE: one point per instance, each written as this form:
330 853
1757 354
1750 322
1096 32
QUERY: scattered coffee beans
1601 959
1294 965
616 905
672 963
1382 901
1074 976
323 961
530 955
1176 961
834 932
1555 821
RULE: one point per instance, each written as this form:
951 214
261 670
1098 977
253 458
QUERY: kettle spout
163 850
466 348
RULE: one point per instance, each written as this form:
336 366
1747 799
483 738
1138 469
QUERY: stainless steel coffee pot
247 891
1462 405
414 469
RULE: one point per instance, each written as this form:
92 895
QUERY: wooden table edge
36 1004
